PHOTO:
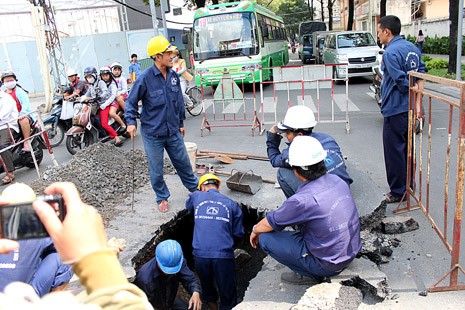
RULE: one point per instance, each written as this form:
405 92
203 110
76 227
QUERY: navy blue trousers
395 137
223 272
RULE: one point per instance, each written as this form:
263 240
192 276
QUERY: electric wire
147 14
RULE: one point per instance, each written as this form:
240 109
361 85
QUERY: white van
358 49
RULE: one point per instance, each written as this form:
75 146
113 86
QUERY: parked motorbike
22 158
86 129
55 126
376 86
376 89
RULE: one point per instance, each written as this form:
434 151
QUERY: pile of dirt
103 175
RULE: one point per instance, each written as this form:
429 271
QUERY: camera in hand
20 221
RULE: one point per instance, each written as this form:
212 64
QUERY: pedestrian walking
162 119
420 40
218 220
400 57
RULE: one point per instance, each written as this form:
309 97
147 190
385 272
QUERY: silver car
357 49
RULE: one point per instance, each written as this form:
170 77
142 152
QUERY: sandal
7 179
163 206
391 198
119 143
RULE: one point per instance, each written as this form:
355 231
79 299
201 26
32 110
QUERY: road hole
181 228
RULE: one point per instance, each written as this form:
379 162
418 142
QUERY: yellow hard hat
158 45
208 177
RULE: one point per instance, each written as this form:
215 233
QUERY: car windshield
355 40
307 40
225 35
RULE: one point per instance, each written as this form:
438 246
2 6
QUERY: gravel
103 175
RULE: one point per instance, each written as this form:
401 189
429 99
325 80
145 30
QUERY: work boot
297 279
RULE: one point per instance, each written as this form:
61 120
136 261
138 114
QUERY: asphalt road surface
421 259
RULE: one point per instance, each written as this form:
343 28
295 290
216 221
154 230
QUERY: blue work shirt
217 220
161 289
26 264
326 215
162 103
135 67
334 161
400 57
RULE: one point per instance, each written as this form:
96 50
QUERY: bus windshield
229 35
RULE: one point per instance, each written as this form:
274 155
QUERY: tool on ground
246 182
224 159
233 155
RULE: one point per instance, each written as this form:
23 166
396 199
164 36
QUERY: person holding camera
81 242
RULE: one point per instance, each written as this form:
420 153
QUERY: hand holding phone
19 220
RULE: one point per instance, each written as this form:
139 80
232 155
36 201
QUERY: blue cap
169 256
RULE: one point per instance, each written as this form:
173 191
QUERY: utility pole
56 66
163 17
153 12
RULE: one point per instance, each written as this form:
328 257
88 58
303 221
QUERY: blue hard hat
169 256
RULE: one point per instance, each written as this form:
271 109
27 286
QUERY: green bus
237 38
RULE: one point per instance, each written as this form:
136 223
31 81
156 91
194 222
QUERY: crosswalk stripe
208 103
371 94
340 100
268 105
308 102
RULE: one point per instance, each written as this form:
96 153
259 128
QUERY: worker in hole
327 238
300 121
218 220
159 278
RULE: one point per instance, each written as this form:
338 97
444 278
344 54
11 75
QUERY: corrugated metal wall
79 52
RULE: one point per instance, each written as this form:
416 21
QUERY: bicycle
195 94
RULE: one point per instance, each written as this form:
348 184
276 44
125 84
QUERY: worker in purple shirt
328 235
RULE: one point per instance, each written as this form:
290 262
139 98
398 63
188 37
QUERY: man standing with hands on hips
162 119
399 58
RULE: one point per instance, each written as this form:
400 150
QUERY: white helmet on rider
116 65
305 151
298 117
71 72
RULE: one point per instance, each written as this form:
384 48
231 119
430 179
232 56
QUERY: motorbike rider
179 65
23 105
104 92
121 95
8 116
76 87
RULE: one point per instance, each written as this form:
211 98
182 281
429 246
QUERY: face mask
91 80
175 59
10 84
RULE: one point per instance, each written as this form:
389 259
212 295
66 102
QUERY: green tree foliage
293 13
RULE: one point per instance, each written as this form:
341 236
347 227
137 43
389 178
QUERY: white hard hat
71 72
305 151
298 117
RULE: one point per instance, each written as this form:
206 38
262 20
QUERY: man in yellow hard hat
162 119
218 220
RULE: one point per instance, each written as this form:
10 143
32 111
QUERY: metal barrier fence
310 82
426 159
41 132
231 101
